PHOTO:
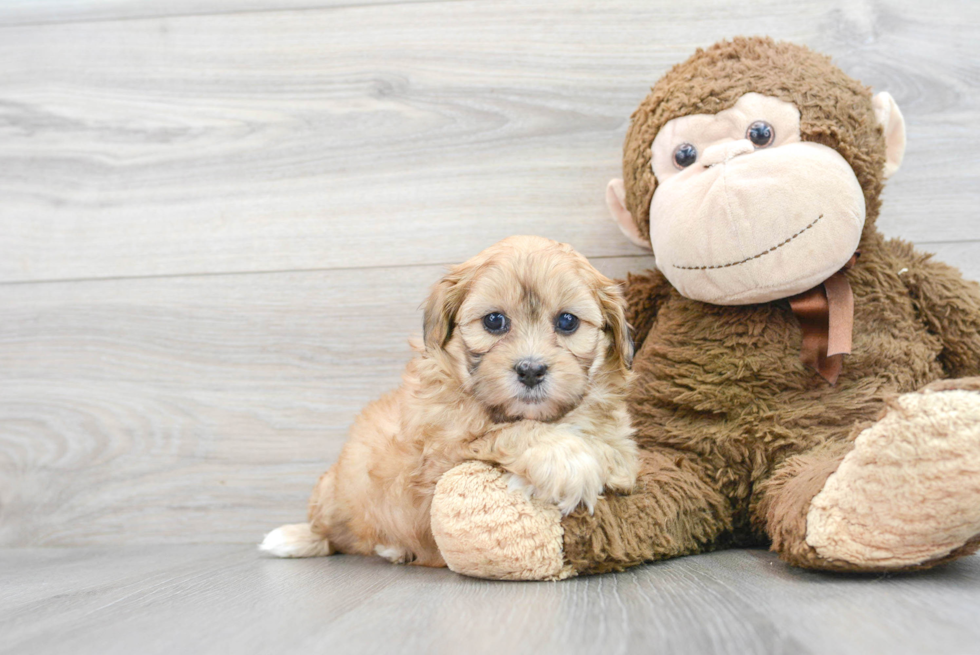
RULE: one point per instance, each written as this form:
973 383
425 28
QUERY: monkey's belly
726 384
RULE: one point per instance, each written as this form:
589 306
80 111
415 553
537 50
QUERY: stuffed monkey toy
800 380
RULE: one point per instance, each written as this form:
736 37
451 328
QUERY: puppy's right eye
566 323
495 323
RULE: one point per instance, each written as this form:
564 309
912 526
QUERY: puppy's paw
517 484
622 469
563 474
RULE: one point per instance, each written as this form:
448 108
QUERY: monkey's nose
530 372
723 152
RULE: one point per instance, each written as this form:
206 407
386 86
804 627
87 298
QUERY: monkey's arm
950 307
644 293
673 511
485 530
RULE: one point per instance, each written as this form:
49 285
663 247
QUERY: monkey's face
747 169
747 212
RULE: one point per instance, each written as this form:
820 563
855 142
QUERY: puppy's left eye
566 323
495 323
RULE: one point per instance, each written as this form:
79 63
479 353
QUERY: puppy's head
529 326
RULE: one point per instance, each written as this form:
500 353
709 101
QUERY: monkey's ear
616 200
893 124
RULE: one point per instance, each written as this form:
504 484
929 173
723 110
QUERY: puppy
525 364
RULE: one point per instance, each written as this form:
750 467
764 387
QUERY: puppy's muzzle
530 372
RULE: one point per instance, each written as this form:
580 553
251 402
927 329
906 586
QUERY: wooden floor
217 221
226 599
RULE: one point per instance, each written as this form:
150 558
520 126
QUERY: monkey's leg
904 495
485 530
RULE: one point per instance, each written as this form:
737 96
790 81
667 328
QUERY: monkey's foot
485 530
908 494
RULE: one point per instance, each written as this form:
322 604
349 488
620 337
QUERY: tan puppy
526 363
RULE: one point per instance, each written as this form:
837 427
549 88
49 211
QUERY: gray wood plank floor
226 599
217 221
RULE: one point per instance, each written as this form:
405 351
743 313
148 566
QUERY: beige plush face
535 324
745 211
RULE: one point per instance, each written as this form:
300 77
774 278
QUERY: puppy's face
529 325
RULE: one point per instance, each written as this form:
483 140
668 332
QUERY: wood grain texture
194 409
408 133
215 231
32 12
226 599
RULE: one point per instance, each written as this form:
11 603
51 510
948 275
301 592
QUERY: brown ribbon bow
826 316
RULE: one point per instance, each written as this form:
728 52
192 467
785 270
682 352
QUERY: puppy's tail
296 540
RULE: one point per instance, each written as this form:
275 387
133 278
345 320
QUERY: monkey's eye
566 323
760 133
495 323
684 155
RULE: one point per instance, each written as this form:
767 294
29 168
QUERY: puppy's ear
439 315
613 305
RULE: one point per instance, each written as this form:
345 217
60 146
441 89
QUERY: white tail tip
296 540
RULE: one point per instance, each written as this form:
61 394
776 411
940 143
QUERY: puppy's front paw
622 469
517 484
562 474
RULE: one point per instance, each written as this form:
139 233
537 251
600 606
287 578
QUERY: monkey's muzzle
758 226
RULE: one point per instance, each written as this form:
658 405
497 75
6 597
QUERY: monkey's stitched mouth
748 259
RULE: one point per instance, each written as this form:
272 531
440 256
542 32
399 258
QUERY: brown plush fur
737 434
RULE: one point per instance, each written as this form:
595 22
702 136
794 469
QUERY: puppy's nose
530 372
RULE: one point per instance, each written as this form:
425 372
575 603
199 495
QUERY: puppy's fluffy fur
564 436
